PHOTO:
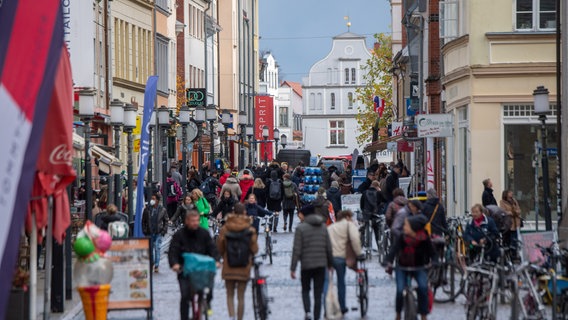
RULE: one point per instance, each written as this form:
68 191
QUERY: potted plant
18 305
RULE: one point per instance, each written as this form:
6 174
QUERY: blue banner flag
149 98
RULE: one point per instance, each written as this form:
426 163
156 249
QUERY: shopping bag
332 308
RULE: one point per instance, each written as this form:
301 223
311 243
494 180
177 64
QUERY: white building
289 113
268 74
329 108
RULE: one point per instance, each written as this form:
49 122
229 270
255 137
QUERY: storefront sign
351 202
434 125
264 117
396 129
430 163
196 97
405 146
131 286
385 156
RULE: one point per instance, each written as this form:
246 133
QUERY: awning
107 161
381 144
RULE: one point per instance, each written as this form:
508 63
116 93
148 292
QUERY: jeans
421 277
339 266
156 246
318 276
289 218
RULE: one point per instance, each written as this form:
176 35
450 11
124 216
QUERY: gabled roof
296 86
349 35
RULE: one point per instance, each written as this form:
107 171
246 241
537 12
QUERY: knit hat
335 184
307 209
417 204
431 193
417 222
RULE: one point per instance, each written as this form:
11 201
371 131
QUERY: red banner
405 146
264 115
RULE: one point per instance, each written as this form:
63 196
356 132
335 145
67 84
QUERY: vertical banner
264 112
430 163
149 97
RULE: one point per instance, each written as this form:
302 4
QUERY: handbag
350 256
332 307
428 226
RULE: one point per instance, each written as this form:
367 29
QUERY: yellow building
495 54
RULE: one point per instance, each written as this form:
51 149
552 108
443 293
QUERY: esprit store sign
264 114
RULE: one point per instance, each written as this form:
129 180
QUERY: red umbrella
54 169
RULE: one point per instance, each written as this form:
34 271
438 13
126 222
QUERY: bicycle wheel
379 239
269 247
368 243
256 304
447 281
363 284
410 308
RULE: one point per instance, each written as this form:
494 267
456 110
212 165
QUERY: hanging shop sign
434 125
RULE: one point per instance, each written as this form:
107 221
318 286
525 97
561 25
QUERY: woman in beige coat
513 210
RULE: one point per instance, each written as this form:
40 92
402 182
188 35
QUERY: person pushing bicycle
413 252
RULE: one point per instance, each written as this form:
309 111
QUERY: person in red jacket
246 182
225 176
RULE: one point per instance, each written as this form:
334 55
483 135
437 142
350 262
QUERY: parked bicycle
384 238
260 297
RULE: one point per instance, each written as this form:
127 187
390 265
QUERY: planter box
18 305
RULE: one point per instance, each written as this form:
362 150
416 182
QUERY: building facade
289 113
329 105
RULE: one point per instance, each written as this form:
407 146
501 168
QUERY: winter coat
177 177
254 211
224 178
260 194
193 183
178 191
398 223
326 179
487 229
289 203
412 251
340 233
321 207
162 227
274 204
193 241
334 196
393 207
364 185
487 197
391 183
181 210
247 181
439 223
371 202
312 246
232 184
203 207
514 211
224 206
345 188
236 223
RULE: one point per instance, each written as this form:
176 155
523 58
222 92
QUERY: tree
378 79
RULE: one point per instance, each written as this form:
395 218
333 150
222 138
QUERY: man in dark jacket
155 225
334 196
487 197
391 182
312 247
367 183
372 202
433 207
191 239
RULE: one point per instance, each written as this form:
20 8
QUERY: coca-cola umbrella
49 205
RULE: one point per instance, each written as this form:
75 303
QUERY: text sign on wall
434 125
396 129
264 112
196 97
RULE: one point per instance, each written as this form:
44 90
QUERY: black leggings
289 217
318 277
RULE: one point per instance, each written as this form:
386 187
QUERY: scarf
477 222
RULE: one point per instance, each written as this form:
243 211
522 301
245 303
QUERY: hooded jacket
321 206
341 234
289 203
334 196
247 181
398 203
236 223
274 204
232 184
312 246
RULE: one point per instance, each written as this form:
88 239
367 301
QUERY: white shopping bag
332 308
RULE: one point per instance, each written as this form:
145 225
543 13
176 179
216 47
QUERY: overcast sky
299 32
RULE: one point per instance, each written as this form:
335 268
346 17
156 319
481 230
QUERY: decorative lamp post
220 133
164 122
276 138
542 108
226 121
199 120
249 129
265 137
242 125
211 116
283 141
130 112
117 120
184 118
87 112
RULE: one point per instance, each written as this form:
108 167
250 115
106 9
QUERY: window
162 63
353 72
332 98
449 21
163 4
337 132
350 99
312 101
329 75
346 75
283 119
336 75
319 102
535 15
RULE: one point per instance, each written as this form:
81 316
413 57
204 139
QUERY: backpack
238 248
205 187
275 192
119 229
289 191
171 189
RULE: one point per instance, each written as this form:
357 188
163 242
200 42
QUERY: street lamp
164 122
220 133
542 108
249 129
265 136
199 120
184 118
117 120
242 125
87 112
283 141
211 116
226 120
130 112
276 138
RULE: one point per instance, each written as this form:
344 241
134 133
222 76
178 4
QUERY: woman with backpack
289 201
237 245
274 197
259 191
202 206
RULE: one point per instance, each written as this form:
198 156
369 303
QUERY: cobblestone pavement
286 292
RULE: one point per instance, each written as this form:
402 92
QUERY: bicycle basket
200 269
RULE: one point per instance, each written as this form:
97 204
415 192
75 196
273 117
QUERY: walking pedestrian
232 184
274 196
511 207
246 182
312 248
179 216
173 194
225 206
436 214
254 210
487 196
202 206
289 201
397 203
259 190
155 225
333 194
236 238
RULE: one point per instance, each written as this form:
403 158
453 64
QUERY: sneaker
308 316
209 312
156 270
285 227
